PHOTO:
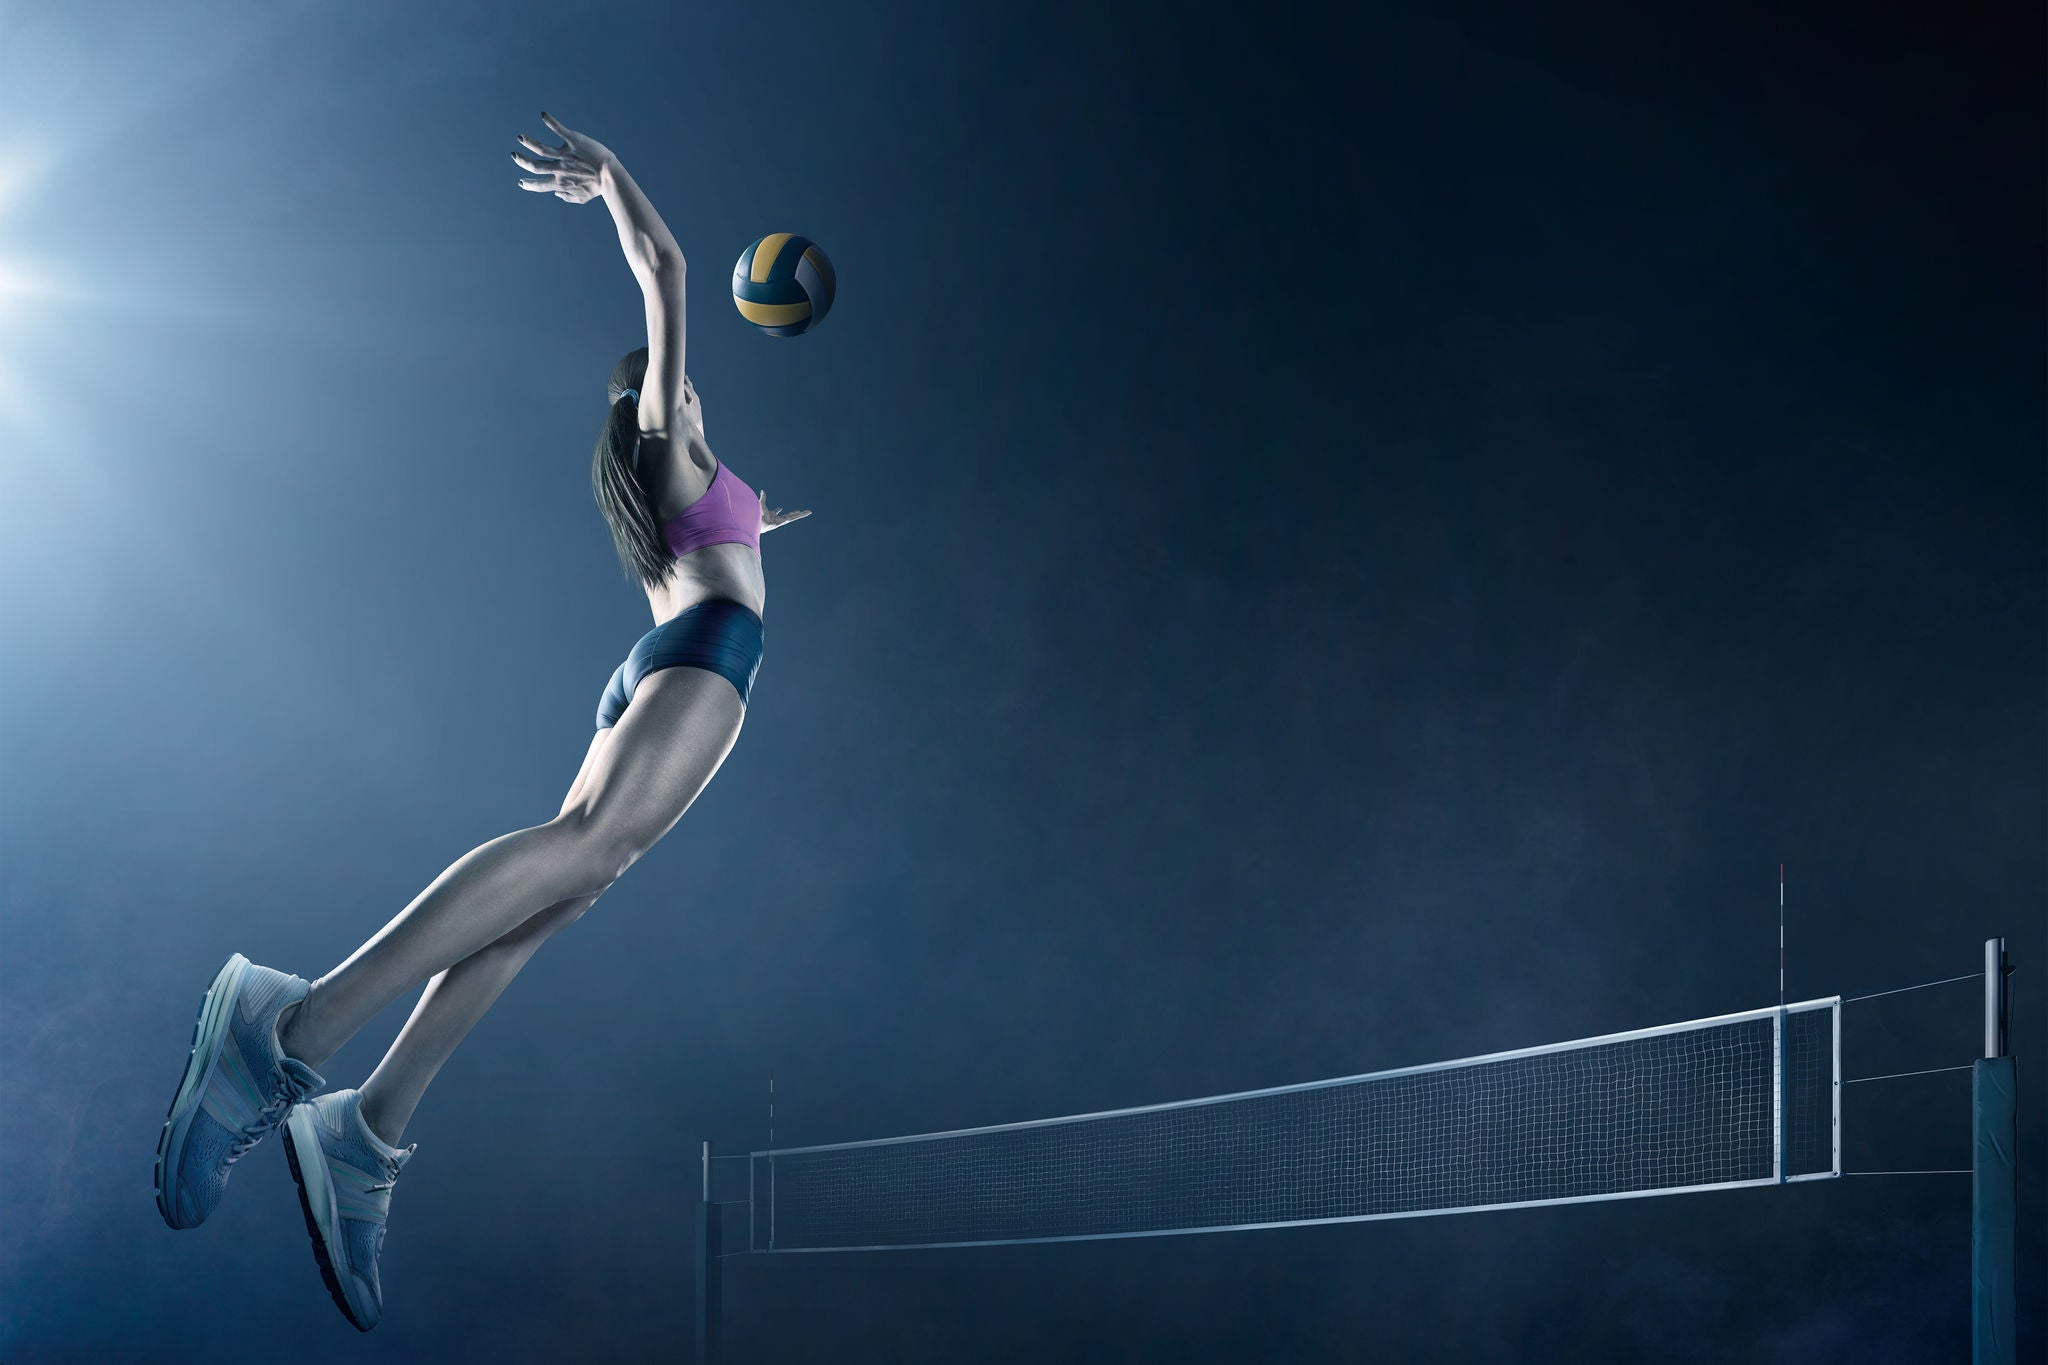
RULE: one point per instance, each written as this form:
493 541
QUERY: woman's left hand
572 172
772 517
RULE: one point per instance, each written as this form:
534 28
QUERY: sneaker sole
316 1190
208 1032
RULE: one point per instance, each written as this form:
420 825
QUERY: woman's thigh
637 783
598 742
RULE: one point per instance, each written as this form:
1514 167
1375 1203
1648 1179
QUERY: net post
708 1275
1997 1004
1994 1192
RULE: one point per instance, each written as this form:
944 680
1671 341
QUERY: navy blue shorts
721 636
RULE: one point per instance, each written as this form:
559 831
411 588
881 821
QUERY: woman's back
677 481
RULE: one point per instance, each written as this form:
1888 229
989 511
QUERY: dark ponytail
615 479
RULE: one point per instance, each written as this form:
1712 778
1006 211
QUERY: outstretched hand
570 172
772 517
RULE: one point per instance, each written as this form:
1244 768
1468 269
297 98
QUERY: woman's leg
661 754
458 997
453 1002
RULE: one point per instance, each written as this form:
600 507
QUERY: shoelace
391 1169
291 1082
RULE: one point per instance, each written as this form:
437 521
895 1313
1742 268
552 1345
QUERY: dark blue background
1343 539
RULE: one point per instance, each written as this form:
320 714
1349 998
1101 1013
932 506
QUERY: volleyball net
1737 1100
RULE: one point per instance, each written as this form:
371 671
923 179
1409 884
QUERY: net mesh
1692 1107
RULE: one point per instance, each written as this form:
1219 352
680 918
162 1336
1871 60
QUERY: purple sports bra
728 514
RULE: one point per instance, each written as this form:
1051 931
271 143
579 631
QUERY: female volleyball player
690 531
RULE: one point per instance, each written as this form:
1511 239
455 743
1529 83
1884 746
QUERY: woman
690 531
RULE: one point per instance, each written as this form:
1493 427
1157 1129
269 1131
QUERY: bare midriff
729 571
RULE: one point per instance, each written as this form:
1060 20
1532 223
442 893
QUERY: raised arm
583 169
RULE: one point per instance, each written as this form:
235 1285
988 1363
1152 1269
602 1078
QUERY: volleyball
783 284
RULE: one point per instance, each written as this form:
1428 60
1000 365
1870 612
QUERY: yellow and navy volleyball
783 284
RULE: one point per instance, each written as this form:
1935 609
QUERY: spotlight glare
18 170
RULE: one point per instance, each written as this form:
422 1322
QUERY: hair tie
633 394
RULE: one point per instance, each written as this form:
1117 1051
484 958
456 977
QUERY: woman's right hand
572 172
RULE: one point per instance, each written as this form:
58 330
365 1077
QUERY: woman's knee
561 915
597 850
541 927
